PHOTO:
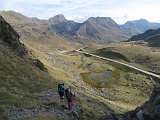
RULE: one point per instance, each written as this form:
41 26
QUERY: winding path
130 66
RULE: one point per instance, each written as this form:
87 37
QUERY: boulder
139 115
157 100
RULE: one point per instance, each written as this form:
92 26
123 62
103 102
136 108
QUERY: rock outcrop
9 36
150 110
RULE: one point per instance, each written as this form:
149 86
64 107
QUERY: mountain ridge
140 26
57 19
94 30
102 29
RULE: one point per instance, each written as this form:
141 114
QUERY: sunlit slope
136 54
36 32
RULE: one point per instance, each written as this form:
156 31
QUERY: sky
80 10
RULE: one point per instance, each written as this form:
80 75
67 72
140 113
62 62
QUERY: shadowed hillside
150 36
9 36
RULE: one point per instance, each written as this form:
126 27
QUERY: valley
123 83
101 86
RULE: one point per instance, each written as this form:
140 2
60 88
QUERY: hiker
69 95
61 91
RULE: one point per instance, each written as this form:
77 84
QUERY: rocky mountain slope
9 36
97 30
139 26
100 29
61 25
93 30
150 36
36 32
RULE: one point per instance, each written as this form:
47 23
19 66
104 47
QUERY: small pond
99 76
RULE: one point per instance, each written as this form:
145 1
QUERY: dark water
101 76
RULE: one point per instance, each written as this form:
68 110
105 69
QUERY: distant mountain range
139 26
151 36
100 29
93 30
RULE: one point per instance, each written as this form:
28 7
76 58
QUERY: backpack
61 88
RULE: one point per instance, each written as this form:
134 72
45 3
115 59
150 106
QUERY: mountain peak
58 19
140 21
103 21
60 16
13 16
100 18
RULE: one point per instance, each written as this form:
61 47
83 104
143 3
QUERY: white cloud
77 18
79 10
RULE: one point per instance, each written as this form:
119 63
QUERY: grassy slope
18 77
19 81
144 52
132 52
67 68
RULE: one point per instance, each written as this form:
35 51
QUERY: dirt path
49 106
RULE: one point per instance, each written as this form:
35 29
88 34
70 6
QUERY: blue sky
79 10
